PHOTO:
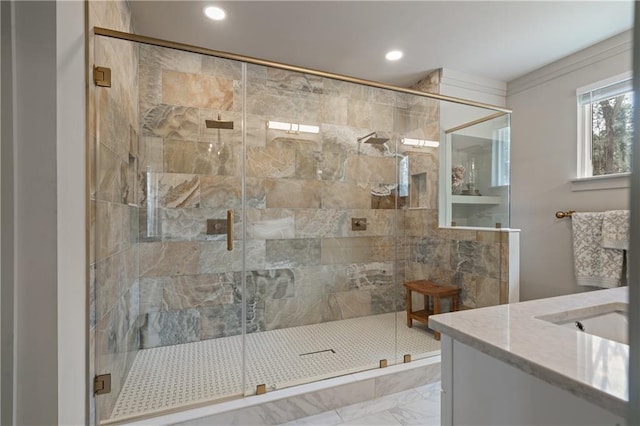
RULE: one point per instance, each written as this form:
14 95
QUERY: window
605 111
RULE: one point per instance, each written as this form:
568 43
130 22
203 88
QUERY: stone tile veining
564 357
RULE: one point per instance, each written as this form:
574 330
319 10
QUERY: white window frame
584 166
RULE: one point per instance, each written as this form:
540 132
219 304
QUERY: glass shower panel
115 201
480 172
170 134
322 236
417 150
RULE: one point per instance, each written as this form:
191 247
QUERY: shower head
219 124
373 139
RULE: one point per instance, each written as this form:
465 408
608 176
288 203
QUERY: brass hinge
261 389
102 76
102 384
407 358
383 363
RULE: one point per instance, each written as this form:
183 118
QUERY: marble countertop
588 366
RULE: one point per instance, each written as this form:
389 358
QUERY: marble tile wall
302 191
475 261
114 284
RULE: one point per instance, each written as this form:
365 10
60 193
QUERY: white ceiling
501 40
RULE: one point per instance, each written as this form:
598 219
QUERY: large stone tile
196 291
197 90
370 275
226 320
292 193
215 258
160 259
271 162
317 223
154 59
113 124
488 292
334 110
113 181
288 253
151 294
225 192
433 251
348 304
173 190
151 154
165 328
346 250
364 169
113 277
333 165
281 105
263 224
270 284
293 312
369 115
320 279
205 158
171 121
468 288
480 259
293 81
223 68
112 228
343 195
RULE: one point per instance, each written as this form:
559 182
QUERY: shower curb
285 405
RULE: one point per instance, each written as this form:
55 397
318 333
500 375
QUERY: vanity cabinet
478 389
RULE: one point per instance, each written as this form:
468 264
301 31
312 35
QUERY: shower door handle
229 230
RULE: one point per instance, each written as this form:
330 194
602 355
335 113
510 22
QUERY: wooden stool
435 292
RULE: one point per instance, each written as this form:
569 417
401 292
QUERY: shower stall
252 224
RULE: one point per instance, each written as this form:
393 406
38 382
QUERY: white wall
71 185
543 161
43 142
6 218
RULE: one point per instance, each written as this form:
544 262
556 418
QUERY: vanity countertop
588 366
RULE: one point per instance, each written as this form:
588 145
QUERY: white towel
615 229
595 265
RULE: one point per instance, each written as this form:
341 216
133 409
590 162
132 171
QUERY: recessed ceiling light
393 55
215 13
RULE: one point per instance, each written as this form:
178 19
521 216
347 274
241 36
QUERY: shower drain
319 352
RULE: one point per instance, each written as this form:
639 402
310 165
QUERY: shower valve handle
229 230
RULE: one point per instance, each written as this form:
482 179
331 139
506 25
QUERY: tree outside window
605 127
611 135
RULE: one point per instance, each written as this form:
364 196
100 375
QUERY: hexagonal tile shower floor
176 376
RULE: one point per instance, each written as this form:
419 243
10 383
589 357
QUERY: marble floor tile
424 412
431 390
384 418
328 418
417 406
376 405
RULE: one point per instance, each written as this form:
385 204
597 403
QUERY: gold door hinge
261 389
383 363
102 76
102 384
407 358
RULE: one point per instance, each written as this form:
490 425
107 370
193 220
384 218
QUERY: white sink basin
609 321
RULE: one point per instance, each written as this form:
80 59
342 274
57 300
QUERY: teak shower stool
435 292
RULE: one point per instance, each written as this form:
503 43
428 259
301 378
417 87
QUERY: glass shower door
320 237
168 229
